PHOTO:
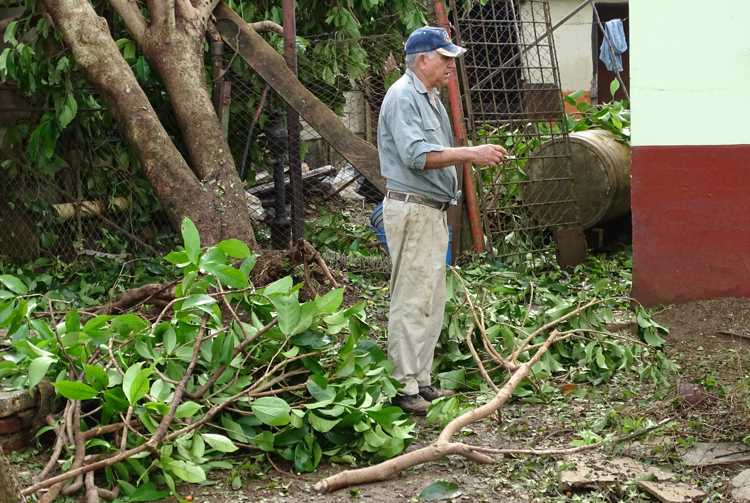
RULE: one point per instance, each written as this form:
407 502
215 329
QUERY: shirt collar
419 85
417 82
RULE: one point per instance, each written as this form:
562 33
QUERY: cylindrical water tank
600 168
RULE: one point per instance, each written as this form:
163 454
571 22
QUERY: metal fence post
293 126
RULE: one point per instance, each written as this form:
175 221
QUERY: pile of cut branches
222 366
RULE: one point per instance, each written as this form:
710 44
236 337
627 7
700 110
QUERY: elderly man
417 159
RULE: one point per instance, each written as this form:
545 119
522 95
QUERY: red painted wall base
691 223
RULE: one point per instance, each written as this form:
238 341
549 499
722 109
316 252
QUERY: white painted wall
573 43
689 73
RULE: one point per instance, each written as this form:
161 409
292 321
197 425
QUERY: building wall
573 44
690 184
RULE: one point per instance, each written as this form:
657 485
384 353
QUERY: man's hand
488 154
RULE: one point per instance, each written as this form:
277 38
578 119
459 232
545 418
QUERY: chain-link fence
89 198
512 97
257 127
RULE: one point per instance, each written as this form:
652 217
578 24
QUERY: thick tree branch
131 15
162 14
267 25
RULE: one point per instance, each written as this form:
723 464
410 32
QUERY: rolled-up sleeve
408 131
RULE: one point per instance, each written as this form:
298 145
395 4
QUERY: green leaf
280 286
289 310
147 492
135 382
13 284
317 385
271 410
320 424
234 248
66 111
96 376
189 472
227 274
178 258
330 302
453 379
440 490
191 239
652 338
199 301
38 369
74 390
187 409
614 86
264 441
72 322
219 442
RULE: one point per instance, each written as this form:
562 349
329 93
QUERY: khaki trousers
417 242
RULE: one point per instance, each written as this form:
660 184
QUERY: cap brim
451 50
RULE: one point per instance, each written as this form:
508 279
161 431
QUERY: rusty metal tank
600 168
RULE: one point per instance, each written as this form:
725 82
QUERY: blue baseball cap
432 38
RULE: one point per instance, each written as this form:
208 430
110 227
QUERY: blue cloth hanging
612 59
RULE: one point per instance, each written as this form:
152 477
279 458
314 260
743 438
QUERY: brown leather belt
416 198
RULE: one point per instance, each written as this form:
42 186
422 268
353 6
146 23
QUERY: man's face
437 69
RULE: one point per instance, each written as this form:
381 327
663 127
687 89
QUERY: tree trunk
216 204
177 57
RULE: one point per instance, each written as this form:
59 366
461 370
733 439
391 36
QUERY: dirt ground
706 340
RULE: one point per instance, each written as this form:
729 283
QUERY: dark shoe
431 393
413 404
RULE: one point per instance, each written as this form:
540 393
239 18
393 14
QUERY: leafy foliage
311 386
517 302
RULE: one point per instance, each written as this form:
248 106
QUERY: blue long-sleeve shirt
411 124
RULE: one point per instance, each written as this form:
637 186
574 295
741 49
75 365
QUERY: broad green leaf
219 442
264 441
227 274
614 86
198 301
96 376
74 390
440 490
289 311
234 248
271 410
66 110
147 492
453 379
187 471
320 424
170 340
280 286
187 409
652 338
13 284
38 369
178 258
330 302
191 239
135 382
317 385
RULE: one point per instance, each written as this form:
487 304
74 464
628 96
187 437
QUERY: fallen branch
442 447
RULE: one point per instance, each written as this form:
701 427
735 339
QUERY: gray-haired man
417 159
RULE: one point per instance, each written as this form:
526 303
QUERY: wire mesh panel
257 129
512 97
92 200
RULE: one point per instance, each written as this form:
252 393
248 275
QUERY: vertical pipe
457 117
292 124
217 67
